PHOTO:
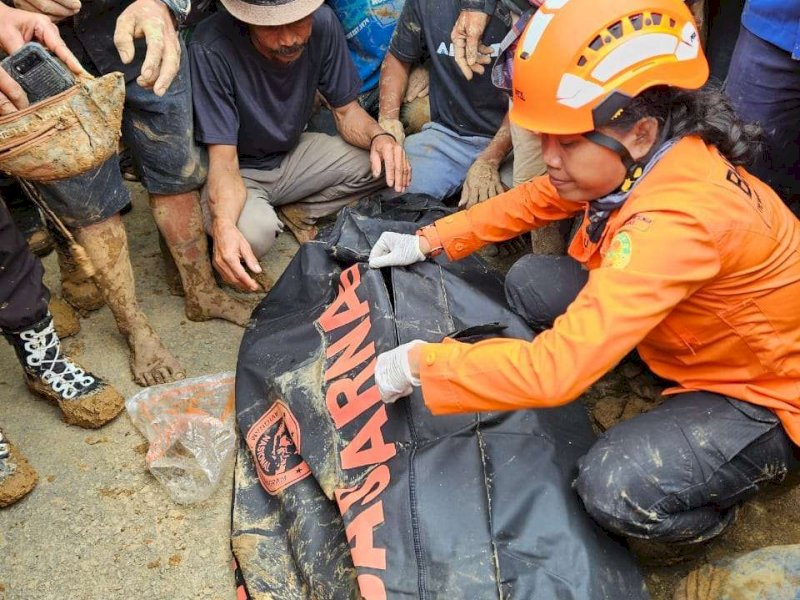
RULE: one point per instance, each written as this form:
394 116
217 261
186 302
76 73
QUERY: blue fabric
776 21
368 28
440 159
764 87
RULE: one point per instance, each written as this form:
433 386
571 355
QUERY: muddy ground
99 525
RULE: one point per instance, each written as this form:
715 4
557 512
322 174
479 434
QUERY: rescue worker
682 255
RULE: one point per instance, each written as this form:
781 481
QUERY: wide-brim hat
271 12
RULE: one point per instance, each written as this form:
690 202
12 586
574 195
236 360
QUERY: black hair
706 113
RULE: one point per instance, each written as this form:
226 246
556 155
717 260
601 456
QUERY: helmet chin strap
633 169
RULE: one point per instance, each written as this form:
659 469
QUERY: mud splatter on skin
187 243
78 291
107 245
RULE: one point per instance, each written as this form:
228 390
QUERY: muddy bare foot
216 304
151 363
291 216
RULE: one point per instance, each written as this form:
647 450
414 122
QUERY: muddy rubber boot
84 399
17 476
79 291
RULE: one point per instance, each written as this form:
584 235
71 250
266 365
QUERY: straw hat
271 12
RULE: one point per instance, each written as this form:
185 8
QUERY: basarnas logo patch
619 253
274 440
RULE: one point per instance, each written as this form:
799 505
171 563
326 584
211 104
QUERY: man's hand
230 249
16 28
387 152
466 36
395 127
55 10
418 83
393 372
152 20
482 183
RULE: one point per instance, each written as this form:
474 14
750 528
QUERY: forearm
226 189
497 150
356 126
393 84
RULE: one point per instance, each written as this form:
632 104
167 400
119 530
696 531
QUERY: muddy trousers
673 474
23 296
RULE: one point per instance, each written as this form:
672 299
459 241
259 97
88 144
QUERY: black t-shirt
243 99
468 107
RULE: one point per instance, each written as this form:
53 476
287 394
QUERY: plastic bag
189 425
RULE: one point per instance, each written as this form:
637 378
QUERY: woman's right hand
397 250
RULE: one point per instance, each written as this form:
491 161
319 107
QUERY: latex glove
418 83
393 373
55 10
395 127
385 152
482 183
395 250
151 20
470 55
16 28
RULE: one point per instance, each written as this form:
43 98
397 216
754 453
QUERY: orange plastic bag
190 427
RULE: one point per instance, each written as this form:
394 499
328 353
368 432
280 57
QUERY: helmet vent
596 43
636 21
581 61
656 18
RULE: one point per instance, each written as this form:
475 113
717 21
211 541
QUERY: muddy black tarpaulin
340 496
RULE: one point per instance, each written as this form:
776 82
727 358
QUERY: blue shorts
160 135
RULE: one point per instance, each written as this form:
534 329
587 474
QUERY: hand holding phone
16 28
38 73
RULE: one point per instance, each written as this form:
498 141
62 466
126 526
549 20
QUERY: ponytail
705 113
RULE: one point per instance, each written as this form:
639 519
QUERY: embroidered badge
619 253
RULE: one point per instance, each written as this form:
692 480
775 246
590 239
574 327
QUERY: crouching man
256 72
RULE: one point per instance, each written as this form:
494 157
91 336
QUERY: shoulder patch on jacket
619 252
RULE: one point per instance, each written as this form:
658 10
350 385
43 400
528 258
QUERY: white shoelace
71 380
5 449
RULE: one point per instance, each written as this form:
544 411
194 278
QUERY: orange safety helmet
580 62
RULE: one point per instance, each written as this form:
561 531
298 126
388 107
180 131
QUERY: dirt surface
98 525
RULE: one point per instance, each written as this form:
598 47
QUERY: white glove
393 373
395 250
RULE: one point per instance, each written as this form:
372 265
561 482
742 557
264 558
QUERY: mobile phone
38 73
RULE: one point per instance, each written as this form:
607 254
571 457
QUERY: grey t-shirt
243 99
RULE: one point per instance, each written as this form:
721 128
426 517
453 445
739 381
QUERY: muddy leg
107 245
181 223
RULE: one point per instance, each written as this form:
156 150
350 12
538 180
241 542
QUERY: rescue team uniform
700 271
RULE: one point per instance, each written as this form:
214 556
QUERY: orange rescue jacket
699 270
